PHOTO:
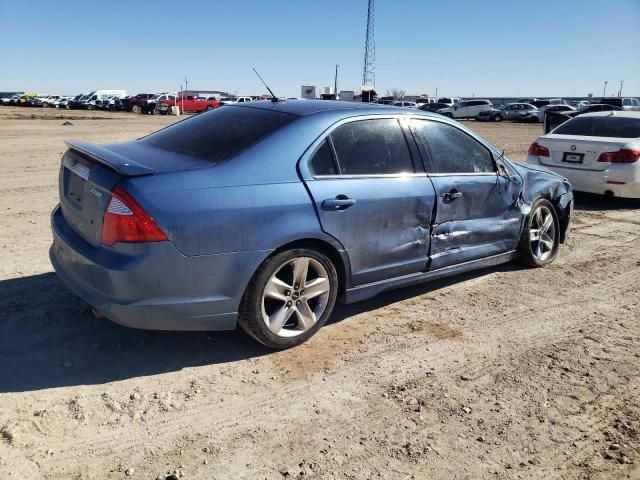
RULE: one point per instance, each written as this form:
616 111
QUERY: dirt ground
506 373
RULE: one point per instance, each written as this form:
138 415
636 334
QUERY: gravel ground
506 373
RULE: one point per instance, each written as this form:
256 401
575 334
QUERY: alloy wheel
542 233
295 297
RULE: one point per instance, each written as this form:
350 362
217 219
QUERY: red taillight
125 221
621 156
539 150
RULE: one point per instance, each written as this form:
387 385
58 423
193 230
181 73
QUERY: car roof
309 107
613 113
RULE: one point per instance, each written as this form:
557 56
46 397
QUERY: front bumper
152 285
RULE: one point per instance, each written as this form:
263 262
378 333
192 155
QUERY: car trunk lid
576 152
89 173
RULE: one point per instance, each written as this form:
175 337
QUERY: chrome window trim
466 174
378 175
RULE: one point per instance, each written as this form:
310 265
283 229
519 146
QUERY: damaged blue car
267 213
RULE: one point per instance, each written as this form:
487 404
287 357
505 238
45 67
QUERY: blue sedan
267 213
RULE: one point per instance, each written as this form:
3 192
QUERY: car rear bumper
152 285
621 180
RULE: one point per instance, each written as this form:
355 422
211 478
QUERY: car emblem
573 148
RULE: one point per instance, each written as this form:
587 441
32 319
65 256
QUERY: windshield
219 134
606 126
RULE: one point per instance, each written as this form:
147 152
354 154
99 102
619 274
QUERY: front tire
497 118
289 298
540 237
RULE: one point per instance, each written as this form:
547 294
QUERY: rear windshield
609 126
220 133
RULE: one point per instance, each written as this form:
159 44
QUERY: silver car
515 111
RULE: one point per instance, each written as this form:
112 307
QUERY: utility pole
620 91
335 83
604 90
186 84
368 71
436 93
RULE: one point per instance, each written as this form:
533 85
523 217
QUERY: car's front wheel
540 237
289 298
497 118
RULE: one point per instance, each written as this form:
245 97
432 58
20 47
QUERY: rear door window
322 162
220 133
372 147
450 150
607 126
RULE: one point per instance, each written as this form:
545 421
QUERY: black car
433 107
596 107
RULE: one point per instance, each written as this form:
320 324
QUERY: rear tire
136 109
289 298
540 239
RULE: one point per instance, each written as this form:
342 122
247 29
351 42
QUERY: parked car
449 100
60 101
539 103
597 152
466 108
538 115
187 103
78 100
493 115
12 99
89 101
50 100
228 100
433 107
401 103
579 103
517 111
625 103
133 103
593 107
425 101
265 214
26 100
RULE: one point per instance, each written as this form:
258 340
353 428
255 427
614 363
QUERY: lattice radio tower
369 72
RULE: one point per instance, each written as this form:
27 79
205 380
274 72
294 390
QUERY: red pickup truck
187 103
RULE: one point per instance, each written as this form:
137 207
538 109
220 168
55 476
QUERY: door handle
451 195
341 202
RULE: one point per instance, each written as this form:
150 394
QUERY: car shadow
592 202
49 338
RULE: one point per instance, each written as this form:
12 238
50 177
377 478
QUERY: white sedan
597 152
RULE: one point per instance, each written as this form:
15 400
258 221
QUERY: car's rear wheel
136 109
289 298
540 237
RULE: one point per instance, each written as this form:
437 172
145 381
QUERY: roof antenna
273 95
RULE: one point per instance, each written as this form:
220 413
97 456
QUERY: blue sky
463 47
